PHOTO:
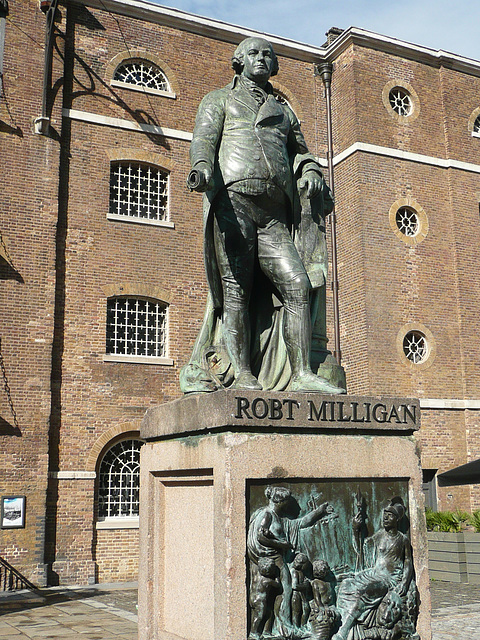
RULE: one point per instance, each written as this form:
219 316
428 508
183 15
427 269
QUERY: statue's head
255 58
394 511
268 568
300 560
389 610
321 569
277 494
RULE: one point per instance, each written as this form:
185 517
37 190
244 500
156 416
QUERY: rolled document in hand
195 180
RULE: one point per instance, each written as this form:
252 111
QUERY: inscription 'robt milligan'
325 411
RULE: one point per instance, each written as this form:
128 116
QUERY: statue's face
258 60
389 519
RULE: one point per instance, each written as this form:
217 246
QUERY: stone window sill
142 89
111 357
118 523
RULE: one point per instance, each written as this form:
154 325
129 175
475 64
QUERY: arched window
136 328
119 480
138 192
476 125
142 74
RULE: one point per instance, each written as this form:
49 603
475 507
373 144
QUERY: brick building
101 267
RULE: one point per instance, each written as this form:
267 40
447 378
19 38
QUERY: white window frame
141 359
137 219
118 521
165 93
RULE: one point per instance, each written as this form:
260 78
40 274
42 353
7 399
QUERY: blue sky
439 24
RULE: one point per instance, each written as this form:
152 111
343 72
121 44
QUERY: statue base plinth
204 468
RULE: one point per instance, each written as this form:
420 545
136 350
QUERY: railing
11 579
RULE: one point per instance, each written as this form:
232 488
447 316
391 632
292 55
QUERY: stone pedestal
204 467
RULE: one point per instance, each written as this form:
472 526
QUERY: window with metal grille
407 221
119 480
415 347
142 73
400 101
136 327
138 192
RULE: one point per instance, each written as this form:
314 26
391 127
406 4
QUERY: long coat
249 145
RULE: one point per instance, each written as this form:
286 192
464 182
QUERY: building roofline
176 18
387 44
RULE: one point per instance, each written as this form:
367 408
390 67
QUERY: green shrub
474 520
447 521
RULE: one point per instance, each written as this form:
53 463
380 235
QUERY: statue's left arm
305 166
407 569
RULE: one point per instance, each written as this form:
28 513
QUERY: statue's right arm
206 135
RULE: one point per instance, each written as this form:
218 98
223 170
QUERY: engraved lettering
290 404
242 406
264 408
332 411
367 411
276 412
383 412
410 413
341 417
314 414
393 414
355 417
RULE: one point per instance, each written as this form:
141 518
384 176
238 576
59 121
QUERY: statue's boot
309 382
246 380
194 379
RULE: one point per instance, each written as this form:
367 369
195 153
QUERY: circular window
415 347
408 221
400 101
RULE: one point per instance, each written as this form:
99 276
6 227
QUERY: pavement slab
108 612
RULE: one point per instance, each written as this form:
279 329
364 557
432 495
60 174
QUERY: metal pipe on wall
324 70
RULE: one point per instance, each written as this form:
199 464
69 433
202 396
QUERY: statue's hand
310 183
200 177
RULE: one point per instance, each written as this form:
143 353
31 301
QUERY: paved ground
108 612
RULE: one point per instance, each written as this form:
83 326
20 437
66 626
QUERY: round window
400 101
415 347
407 221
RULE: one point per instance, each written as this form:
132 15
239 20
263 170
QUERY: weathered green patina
265 252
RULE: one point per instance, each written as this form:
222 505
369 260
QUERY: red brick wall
116 553
67 255
28 205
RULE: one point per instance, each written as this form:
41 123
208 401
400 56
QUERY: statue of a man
249 156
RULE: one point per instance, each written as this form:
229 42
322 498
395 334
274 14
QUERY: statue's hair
238 56
277 494
320 567
299 559
264 564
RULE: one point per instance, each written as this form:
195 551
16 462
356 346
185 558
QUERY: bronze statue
265 588
391 572
323 615
263 255
301 590
271 534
